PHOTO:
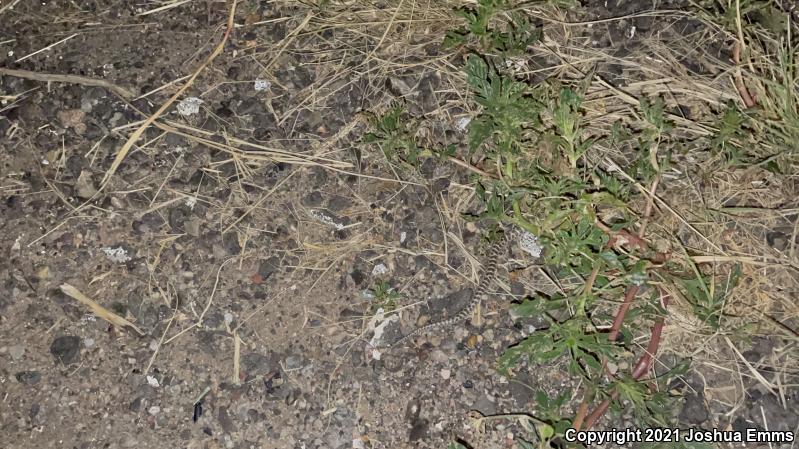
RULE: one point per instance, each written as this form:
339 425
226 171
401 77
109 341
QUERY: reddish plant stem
746 97
600 410
581 411
622 312
646 360
643 365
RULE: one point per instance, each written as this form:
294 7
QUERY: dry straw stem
98 310
236 358
166 329
46 48
162 8
71 79
207 304
137 134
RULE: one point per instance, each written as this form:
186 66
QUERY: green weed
536 141
394 133
525 132
708 297
385 297
510 35
508 109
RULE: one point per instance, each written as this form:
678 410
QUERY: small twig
163 8
71 79
470 167
207 305
8 6
650 204
46 48
163 335
139 131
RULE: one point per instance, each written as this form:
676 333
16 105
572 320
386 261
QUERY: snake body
487 277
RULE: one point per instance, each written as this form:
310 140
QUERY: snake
487 277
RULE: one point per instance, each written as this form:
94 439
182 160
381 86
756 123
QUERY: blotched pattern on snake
487 277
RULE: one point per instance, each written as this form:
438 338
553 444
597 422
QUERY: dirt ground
243 242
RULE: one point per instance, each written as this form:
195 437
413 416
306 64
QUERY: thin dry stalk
122 153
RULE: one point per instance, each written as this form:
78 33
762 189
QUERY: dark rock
694 410
521 393
338 203
767 412
357 276
255 364
268 267
28 377
319 175
149 223
517 288
135 405
312 199
421 262
178 217
34 410
440 185
427 87
428 167
225 421
419 430
761 348
435 235
231 243
66 349
777 240
68 305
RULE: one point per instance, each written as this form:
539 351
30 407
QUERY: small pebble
16 352
154 410
66 349
29 377
379 269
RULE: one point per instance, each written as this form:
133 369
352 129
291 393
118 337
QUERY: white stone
189 106
262 84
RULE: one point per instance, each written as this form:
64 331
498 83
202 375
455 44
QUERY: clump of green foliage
385 297
509 34
394 133
537 142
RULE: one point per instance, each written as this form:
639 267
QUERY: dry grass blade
236 358
98 310
163 8
123 152
46 48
